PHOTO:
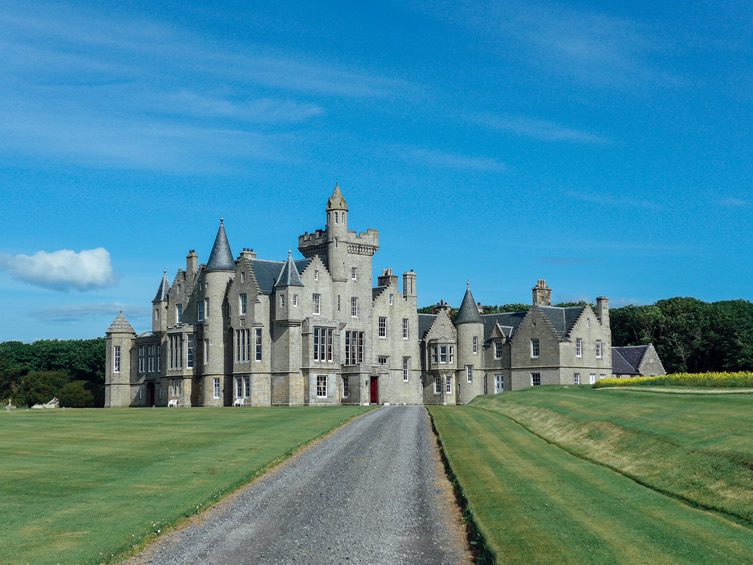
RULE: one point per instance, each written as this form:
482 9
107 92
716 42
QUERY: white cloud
79 312
63 269
537 129
451 160
607 200
735 203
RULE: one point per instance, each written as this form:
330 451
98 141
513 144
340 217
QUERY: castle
316 331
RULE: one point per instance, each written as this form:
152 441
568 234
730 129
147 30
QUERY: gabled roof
120 325
289 275
468 313
267 272
221 258
425 322
163 290
508 321
562 319
626 360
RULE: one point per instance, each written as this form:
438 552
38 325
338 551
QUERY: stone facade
316 331
636 361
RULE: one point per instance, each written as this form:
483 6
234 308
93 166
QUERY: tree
38 387
75 394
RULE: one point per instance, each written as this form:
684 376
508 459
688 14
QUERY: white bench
239 402
172 403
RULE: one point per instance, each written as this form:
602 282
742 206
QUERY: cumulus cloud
64 269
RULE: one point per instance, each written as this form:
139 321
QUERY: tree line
690 335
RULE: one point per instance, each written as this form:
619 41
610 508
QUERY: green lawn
536 502
87 485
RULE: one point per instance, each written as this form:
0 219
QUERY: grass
534 501
90 485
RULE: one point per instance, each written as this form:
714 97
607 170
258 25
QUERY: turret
288 290
337 213
542 294
120 336
159 305
337 230
470 327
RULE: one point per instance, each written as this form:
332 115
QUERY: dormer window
443 354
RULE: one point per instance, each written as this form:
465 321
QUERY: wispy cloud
62 270
735 203
537 129
606 199
565 261
450 160
67 313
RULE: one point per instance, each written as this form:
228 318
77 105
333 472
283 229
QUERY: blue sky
602 146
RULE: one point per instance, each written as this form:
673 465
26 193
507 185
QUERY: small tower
216 347
409 284
159 305
542 294
287 293
470 326
120 337
337 230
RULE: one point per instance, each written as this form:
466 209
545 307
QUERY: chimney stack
542 294
192 262
387 278
409 284
602 310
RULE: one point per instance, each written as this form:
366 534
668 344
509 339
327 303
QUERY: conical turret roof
289 275
164 288
337 201
120 325
468 313
221 258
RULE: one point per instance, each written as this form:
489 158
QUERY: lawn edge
721 513
224 494
480 549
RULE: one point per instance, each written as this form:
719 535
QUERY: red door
374 390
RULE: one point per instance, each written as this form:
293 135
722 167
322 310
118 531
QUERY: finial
164 271
222 220
290 252
467 285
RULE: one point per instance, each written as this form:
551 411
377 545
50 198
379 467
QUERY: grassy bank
87 485
536 502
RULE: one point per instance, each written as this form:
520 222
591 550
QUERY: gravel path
372 492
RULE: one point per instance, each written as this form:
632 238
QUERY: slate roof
627 359
164 288
468 312
120 325
563 319
425 322
221 258
288 274
507 320
267 272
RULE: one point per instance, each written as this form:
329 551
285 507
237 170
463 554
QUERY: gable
442 328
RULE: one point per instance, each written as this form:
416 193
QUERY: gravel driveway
372 492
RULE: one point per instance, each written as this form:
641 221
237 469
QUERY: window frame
535 348
321 386
216 388
382 327
579 347
535 377
469 373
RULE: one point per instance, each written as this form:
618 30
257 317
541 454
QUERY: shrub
739 379
75 394
41 386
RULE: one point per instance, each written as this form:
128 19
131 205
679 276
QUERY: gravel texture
372 492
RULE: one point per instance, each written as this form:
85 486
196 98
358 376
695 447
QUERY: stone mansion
315 331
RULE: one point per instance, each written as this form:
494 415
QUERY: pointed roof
289 274
337 201
221 258
120 325
468 313
164 288
562 319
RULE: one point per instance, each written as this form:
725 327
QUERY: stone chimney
542 294
387 278
192 262
409 284
602 310
248 253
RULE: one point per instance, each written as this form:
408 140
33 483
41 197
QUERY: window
216 388
206 308
238 387
338 302
354 307
243 277
443 354
535 348
448 384
383 359
578 347
243 304
206 351
475 344
142 363
405 328
282 299
434 354
354 273
116 359
247 386
576 378
156 314
406 369
323 338
598 349
346 387
392 299
437 385
498 350
353 347
189 359
200 311
535 379
257 344
321 386
295 300
316 274
176 388
176 351
469 373
382 327
452 354
242 346
178 313
151 357
317 299
499 383
159 358
591 379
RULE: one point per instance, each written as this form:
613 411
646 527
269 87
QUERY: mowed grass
536 502
89 485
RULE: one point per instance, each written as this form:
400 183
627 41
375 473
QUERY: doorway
150 394
374 390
